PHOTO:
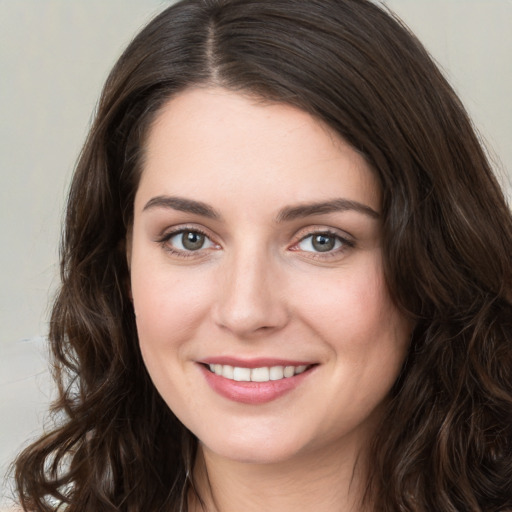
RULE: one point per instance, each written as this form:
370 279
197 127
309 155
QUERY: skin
258 287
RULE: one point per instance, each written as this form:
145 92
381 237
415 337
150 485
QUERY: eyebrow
334 205
183 205
287 214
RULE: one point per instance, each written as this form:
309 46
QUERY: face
256 274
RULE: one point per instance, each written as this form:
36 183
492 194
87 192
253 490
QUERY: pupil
192 241
323 243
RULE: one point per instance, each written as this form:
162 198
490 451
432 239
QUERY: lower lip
253 393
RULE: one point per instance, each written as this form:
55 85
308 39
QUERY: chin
264 449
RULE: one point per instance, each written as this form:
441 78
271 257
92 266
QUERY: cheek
169 308
366 335
350 303
169 304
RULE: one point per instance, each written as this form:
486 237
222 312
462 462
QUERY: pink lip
253 393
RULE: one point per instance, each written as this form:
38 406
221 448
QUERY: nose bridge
249 299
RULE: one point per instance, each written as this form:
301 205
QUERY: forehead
214 144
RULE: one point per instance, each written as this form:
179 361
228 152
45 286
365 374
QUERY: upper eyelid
345 241
313 230
169 232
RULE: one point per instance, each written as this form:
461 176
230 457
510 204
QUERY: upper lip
258 362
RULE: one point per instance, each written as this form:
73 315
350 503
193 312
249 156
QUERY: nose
251 296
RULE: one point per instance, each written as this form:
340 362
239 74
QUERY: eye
189 240
321 242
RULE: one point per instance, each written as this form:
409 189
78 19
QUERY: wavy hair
445 443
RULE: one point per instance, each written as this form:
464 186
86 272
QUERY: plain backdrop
54 57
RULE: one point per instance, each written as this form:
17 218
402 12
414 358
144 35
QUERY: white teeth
276 373
227 371
263 374
289 371
241 374
260 375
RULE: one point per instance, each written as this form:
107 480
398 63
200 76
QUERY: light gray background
54 57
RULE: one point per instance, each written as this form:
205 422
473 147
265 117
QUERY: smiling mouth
262 374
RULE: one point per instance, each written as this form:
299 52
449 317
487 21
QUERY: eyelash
164 241
346 243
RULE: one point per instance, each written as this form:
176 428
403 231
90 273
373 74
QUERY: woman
286 278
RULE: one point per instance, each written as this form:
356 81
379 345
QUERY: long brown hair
446 441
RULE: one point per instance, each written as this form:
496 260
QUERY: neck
325 482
